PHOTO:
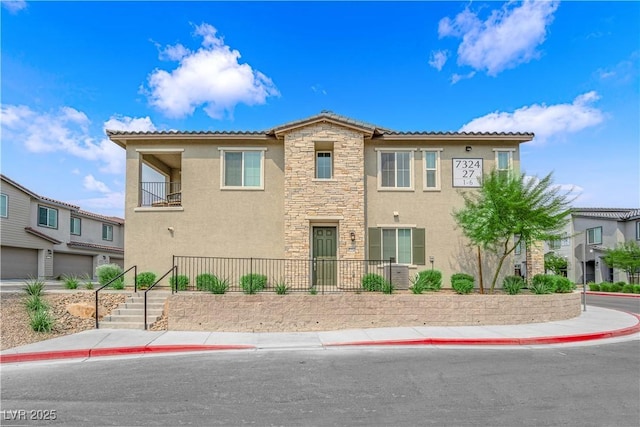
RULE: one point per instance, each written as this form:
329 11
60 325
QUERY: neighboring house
589 233
325 186
46 238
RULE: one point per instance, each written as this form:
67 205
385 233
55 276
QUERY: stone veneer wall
273 313
535 259
338 201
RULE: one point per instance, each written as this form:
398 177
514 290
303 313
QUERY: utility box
398 275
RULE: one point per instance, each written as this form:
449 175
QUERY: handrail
172 269
135 286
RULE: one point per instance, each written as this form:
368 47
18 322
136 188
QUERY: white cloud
14 6
92 184
623 72
211 78
455 78
318 89
112 202
507 38
438 58
67 130
545 121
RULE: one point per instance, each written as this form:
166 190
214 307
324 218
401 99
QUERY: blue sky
567 71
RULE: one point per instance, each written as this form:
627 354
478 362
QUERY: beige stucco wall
431 209
279 313
211 221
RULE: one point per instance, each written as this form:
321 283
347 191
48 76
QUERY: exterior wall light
467 148
353 236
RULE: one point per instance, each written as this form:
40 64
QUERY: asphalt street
615 302
575 386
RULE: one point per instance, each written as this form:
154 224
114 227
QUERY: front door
324 256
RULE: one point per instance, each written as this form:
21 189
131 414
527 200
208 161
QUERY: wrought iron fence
160 194
267 274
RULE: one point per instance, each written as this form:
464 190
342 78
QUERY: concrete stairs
130 314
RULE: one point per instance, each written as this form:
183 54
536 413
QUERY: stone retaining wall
272 313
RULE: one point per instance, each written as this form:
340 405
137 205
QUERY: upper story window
518 242
75 226
107 232
47 217
638 230
4 205
504 161
594 236
554 244
432 169
324 164
243 168
395 169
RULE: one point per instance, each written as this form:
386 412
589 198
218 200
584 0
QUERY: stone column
535 259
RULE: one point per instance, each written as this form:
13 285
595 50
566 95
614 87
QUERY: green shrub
466 276
563 285
615 287
145 279
108 272
70 281
621 283
636 289
181 281
462 285
542 284
204 281
281 288
594 287
605 286
627 288
41 321
219 286
35 303
387 287
87 282
313 290
34 287
252 283
373 282
427 280
513 285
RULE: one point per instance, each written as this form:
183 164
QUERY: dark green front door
324 256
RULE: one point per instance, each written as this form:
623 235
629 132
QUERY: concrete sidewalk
594 325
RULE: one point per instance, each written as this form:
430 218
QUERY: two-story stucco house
46 238
588 234
324 186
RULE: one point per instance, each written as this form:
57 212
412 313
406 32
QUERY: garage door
118 261
18 263
72 264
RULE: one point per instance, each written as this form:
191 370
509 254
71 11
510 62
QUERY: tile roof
95 246
324 114
102 217
41 235
607 213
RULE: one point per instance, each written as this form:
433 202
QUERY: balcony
160 194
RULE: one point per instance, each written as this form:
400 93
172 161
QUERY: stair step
122 325
135 312
140 306
129 318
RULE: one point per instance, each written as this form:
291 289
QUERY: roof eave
279 132
519 138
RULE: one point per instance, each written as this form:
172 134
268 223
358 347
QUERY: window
431 167
518 249
594 236
554 244
394 169
107 232
4 205
638 230
404 244
47 217
242 168
75 226
324 166
566 240
504 161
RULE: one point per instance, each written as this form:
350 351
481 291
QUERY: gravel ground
14 318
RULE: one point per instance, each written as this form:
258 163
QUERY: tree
555 263
625 256
508 205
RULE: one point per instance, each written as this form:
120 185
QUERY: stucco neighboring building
588 234
47 238
324 186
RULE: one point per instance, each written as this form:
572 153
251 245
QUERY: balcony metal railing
160 194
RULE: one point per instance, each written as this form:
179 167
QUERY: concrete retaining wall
272 313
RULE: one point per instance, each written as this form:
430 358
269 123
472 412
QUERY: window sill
159 209
402 190
432 190
324 180
242 188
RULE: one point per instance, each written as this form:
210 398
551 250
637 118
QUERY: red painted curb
561 339
613 294
114 351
